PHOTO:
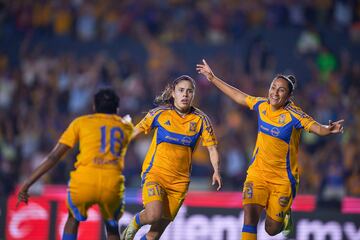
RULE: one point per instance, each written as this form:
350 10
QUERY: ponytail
165 98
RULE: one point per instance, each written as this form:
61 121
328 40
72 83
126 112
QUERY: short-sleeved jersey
174 141
275 154
103 140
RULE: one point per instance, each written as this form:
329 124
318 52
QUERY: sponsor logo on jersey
172 138
275 131
186 140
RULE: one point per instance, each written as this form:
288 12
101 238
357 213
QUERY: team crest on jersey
151 192
282 118
248 190
167 123
264 112
192 127
284 201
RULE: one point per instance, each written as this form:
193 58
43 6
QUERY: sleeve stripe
155 110
296 111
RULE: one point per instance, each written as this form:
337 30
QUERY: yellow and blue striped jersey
275 154
174 141
103 140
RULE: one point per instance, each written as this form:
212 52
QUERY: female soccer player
272 177
167 165
97 179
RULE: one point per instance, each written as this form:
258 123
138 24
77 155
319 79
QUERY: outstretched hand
205 70
22 196
217 179
336 127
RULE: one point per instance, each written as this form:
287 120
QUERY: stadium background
55 53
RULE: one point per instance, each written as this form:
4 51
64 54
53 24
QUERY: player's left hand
217 179
205 69
336 127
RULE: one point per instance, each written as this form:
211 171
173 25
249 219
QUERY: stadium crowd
54 54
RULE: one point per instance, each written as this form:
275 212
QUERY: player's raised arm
332 128
50 161
232 92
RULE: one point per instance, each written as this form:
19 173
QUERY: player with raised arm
272 177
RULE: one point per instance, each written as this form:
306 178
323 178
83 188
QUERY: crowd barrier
204 216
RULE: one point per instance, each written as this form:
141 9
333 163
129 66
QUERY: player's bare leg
71 228
157 229
273 227
252 214
152 212
150 215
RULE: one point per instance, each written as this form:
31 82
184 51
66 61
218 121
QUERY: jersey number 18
116 139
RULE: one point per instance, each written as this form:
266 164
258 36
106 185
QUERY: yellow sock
248 236
249 232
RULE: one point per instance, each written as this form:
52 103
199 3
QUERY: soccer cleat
288 224
129 232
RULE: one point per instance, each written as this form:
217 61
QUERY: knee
151 236
272 229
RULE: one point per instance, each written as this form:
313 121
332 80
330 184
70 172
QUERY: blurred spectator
333 183
86 23
353 184
235 164
343 13
296 13
9 157
326 63
63 21
355 32
309 41
201 166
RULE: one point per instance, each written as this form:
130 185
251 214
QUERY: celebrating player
97 179
167 165
272 177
